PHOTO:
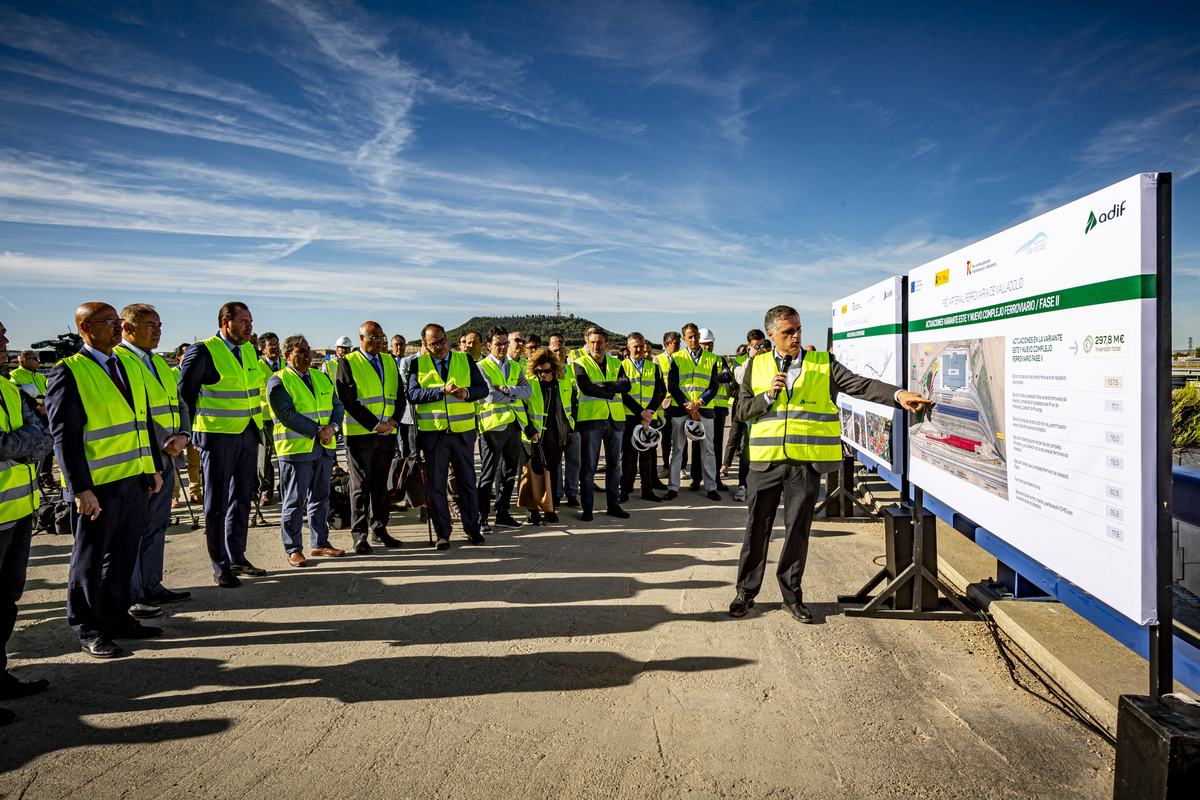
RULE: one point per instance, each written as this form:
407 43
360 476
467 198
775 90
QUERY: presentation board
867 338
1039 346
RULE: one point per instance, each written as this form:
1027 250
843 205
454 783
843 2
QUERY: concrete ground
577 660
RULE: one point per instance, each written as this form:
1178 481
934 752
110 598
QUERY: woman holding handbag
552 410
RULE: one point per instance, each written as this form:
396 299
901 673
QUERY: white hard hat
694 430
706 335
644 440
344 342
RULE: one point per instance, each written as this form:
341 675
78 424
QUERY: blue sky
329 162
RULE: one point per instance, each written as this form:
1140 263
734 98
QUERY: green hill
571 328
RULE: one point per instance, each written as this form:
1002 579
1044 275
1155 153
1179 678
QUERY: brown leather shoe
296 559
332 552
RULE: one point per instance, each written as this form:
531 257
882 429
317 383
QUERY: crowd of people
121 424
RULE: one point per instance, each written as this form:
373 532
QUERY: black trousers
500 459
633 459
553 455
441 451
370 457
733 445
228 464
798 485
14 559
266 469
102 559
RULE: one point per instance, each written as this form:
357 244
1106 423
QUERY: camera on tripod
54 350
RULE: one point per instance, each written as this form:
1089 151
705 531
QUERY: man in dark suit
222 385
794 438
24 442
99 416
444 412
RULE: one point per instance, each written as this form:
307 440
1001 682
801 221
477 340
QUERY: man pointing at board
789 402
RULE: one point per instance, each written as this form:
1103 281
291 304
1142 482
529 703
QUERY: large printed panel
1038 345
867 340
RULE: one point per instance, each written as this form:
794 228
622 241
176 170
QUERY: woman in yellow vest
795 436
552 411
24 442
307 415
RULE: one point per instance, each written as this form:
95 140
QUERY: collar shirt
695 354
140 353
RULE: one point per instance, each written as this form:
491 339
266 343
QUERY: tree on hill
572 328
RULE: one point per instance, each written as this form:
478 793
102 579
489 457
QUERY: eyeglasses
376 338
546 370
439 343
112 323
518 341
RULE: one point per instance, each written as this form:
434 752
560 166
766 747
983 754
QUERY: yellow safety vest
234 401
449 413
536 405
163 391
116 439
693 376
801 425
495 415
317 405
267 373
663 360
641 383
18 484
378 398
26 377
594 408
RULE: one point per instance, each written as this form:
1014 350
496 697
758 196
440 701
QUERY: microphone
787 363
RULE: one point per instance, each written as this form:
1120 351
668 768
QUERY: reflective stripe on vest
595 408
694 375
495 415
18 485
235 400
450 413
316 405
160 386
378 398
116 438
802 425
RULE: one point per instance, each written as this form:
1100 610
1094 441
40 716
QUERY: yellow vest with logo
234 401
495 415
160 386
693 376
18 485
802 425
449 413
379 398
317 405
116 439
596 408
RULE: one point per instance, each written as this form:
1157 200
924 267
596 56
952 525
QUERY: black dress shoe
475 538
573 501
552 518
101 648
740 605
534 518
694 487
7 716
390 541
799 611
136 632
586 516
624 498
714 495
226 579
11 688
658 486
651 496
363 549
443 544
167 596
505 520
618 512
246 568
670 495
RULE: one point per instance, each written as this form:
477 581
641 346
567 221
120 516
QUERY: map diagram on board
964 433
870 362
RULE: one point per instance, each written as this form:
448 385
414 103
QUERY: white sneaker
740 494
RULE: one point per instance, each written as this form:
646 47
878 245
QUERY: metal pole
918 521
1162 638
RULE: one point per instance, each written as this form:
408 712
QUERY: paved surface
582 660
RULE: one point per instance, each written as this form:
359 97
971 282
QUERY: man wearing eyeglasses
502 419
601 382
99 415
368 384
444 389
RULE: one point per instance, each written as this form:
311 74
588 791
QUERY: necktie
378 367
237 353
308 381
115 374
441 366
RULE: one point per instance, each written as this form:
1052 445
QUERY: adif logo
1111 214
888 294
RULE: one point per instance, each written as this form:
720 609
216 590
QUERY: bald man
100 418
368 384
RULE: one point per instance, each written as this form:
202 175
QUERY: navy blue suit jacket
197 369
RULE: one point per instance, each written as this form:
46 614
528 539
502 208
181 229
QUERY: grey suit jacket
750 406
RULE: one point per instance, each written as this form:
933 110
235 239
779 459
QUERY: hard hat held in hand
694 430
646 439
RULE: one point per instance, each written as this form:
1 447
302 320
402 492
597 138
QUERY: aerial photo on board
964 433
